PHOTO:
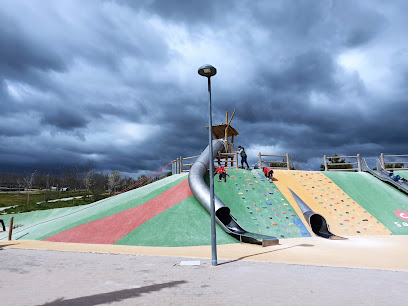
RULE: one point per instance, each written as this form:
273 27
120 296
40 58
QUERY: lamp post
208 71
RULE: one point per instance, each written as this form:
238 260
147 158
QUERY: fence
223 159
229 160
285 164
327 166
384 164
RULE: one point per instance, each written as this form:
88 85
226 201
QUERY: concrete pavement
49 277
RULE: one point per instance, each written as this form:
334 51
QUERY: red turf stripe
110 229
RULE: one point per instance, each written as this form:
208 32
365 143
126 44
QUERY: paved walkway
38 277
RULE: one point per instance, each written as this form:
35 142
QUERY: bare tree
28 184
70 176
113 181
47 187
88 181
98 185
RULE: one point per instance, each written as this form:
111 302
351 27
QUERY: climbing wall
258 205
343 214
383 201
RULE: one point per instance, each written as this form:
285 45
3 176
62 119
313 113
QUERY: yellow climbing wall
323 196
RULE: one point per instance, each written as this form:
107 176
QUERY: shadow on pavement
115 296
251 255
6 245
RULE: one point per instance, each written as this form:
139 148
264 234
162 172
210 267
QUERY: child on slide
268 173
222 174
396 177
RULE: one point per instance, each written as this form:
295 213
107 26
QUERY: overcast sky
116 83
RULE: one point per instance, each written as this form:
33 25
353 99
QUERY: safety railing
329 166
274 164
386 164
227 160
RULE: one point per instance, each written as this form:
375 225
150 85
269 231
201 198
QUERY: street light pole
208 71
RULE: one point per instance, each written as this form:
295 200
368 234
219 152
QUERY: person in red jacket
223 174
268 173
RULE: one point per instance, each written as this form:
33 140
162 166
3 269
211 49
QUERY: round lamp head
207 71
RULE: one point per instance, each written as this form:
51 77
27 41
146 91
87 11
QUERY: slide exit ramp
223 216
316 221
383 175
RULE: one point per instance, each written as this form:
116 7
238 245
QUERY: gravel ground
42 277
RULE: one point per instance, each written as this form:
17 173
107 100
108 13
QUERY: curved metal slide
383 175
223 217
316 221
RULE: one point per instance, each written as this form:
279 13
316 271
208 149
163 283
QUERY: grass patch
19 199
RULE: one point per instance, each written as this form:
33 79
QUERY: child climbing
223 174
268 173
241 151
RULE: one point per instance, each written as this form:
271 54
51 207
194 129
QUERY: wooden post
287 160
382 160
232 116
226 131
260 160
325 164
236 158
181 164
11 228
358 162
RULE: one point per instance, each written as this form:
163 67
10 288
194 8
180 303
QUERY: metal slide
223 217
316 221
383 175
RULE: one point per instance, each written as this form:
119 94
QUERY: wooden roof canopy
224 130
220 131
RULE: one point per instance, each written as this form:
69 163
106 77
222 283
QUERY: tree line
73 178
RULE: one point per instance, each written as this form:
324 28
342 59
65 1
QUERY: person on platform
241 151
222 174
268 173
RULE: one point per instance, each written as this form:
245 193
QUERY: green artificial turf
378 198
185 224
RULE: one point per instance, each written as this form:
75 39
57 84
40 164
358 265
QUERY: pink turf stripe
110 229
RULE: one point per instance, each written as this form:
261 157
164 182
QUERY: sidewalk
38 277
367 270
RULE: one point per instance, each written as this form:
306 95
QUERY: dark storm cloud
115 82
185 11
65 119
19 52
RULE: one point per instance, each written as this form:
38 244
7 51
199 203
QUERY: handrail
260 161
191 157
393 163
327 166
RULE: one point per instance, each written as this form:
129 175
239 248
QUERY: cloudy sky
116 83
